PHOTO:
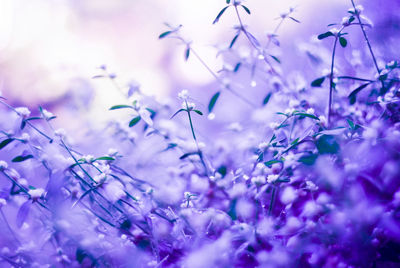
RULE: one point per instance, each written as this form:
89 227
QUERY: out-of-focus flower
24 112
35 194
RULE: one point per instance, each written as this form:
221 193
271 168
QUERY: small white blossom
23 111
310 111
25 137
274 125
334 31
36 193
100 178
262 146
60 132
235 126
184 94
272 178
258 180
211 116
253 83
88 158
3 202
311 186
47 115
3 165
188 105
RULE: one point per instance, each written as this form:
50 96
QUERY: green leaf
187 155
237 66
134 121
107 158
246 9
198 112
324 35
267 98
276 58
327 144
307 115
234 40
228 1
343 41
5 142
180 110
22 158
271 162
122 106
220 14
212 102
318 82
164 34
187 53
33 118
353 95
308 159
351 123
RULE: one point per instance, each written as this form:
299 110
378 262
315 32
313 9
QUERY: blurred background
51 49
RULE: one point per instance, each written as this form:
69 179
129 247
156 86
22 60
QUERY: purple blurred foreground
287 156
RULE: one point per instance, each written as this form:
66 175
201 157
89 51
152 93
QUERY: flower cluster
276 179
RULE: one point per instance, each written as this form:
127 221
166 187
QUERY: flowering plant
238 177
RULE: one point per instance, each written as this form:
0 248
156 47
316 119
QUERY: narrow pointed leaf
5 143
234 40
353 95
246 9
198 112
115 107
220 14
164 34
212 102
177 112
22 158
187 53
324 35
318 82
134 121
267 98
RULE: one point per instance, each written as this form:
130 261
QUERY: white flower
100 178
310 111
334 31
146 116
184 94
25 137
235 126
112 152
322 120
3 165
259 180
23 111
3 202
188 105
311 186
262 146
60 132
272 178
36 193
46 114
253 83
274 125
289 111
88 158
211 116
